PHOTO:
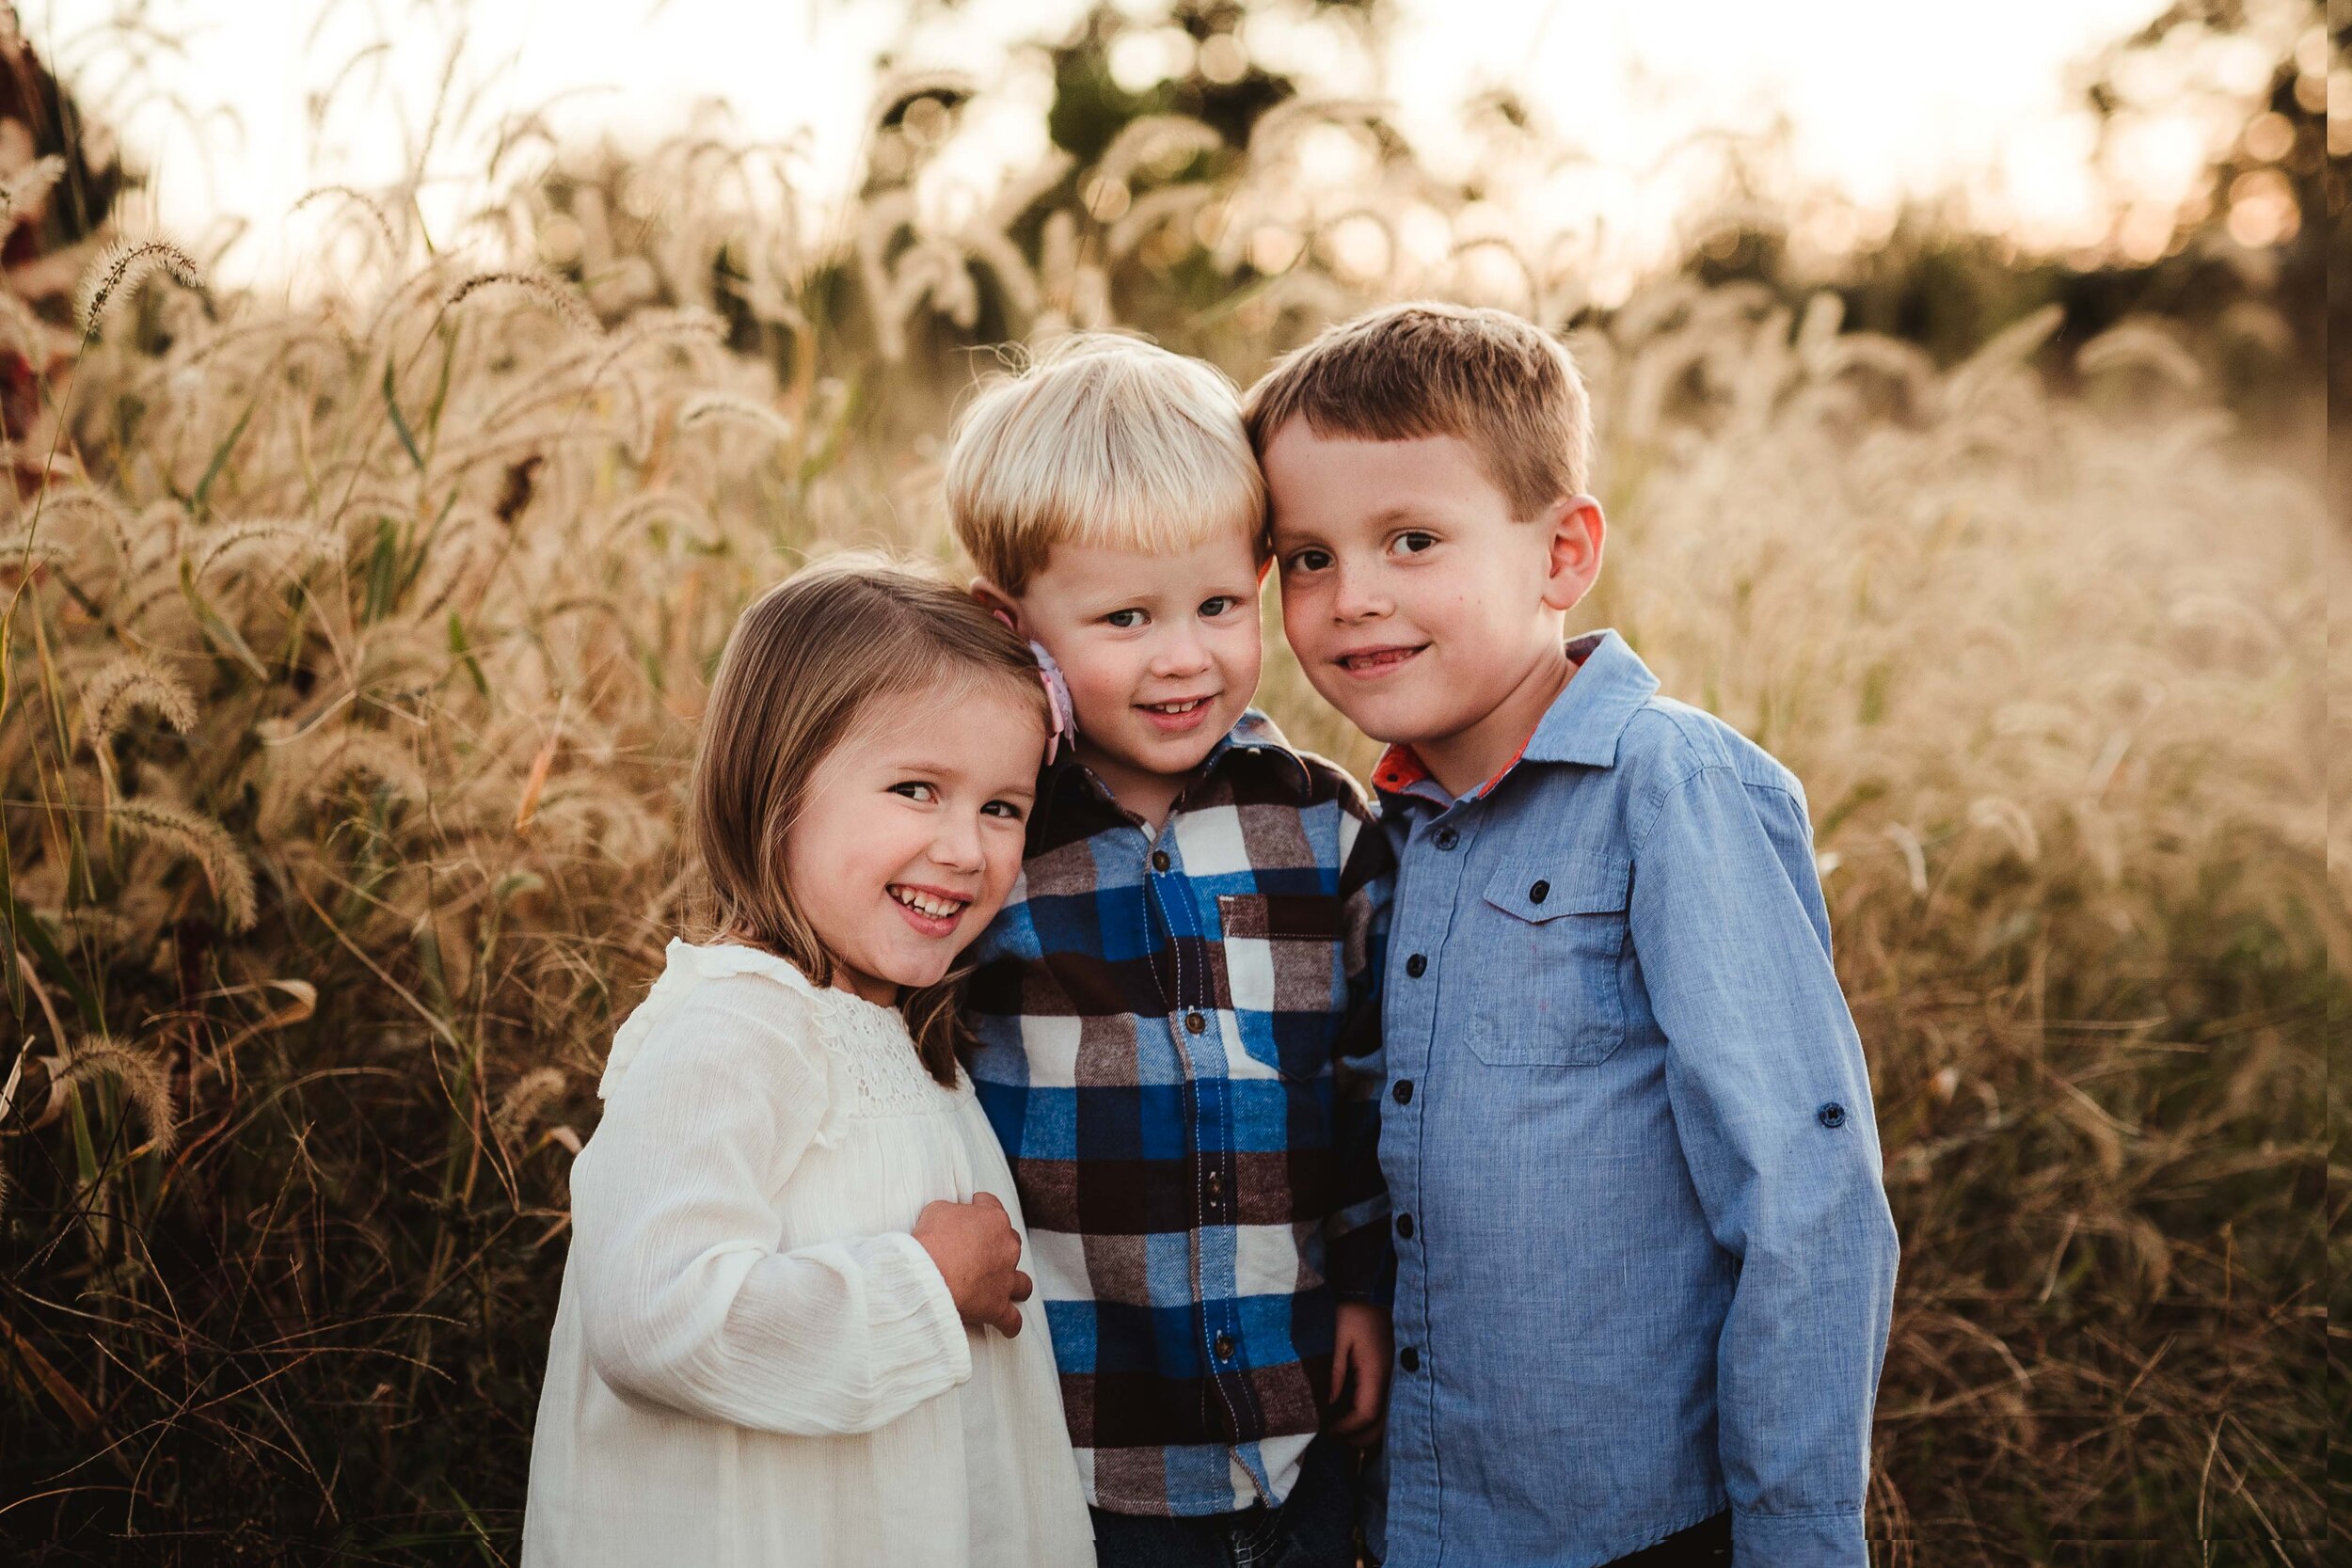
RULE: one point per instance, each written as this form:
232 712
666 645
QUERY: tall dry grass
349 697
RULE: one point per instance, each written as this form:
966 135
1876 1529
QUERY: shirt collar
1252 735
1255 733
1582 725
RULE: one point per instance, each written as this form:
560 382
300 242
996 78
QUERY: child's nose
1356 597
958 845
1184 652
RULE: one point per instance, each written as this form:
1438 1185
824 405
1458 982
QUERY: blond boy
1174 1016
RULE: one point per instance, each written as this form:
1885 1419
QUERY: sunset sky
1880 101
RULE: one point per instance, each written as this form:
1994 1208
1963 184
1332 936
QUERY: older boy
1175 1014
1644 1258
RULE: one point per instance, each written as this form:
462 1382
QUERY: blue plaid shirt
1179 1048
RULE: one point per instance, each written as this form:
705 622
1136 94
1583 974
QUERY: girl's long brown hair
802 664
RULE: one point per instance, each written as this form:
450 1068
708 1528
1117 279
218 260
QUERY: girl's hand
976 1248
1361 1347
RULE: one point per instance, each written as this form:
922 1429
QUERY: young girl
792 1328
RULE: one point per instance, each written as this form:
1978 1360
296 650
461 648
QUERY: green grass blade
399 421
220 455
383 574
51 958
464 650
440 390
215 628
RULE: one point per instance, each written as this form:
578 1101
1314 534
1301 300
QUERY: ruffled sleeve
688 965
688 1303
669 989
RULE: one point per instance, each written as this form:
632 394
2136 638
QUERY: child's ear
999 604
1576 527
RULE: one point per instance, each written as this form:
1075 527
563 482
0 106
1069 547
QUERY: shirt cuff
1362 1265
930 1335
1799 1540
1377 1289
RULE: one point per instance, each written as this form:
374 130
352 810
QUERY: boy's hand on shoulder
1362 1347
976 1249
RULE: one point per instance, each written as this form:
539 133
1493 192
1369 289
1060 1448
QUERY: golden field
353 656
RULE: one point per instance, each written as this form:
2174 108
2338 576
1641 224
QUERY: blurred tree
2256 230
1164 206
60 176
1123 64
2241 265
1190 60
1200 69
2339 322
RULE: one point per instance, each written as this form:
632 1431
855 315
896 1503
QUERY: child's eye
1219 605
1309 560
914 789
1009 809
1126 620
1414 543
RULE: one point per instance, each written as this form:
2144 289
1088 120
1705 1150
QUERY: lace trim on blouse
874 1069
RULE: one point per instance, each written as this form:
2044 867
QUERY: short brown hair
1102 440
1495 381
803 662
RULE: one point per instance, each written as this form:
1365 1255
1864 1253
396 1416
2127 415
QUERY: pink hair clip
1065 715
1061 716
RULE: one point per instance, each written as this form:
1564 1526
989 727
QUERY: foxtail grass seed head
228 544
33 550
562 299
28 189
144 1078
713 407
523 1101
365 203
67 510
118 272
195 836
377 755
110 695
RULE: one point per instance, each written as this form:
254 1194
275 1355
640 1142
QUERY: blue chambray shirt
1644 1261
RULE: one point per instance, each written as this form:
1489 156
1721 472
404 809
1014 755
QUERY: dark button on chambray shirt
1651 1263
1178 1046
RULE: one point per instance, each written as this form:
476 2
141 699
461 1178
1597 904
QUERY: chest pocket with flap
1280 968
1548 941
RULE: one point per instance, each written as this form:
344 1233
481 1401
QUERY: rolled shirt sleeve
1772 1103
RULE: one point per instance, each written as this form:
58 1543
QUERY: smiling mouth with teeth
1189 706
1376 660
923 903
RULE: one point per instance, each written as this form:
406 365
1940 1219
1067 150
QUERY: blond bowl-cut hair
1496 381
1102 441
804 662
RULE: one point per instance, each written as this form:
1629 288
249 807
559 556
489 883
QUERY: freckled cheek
1437 609
1305 617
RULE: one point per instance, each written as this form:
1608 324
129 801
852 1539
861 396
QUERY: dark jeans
1706 1544
1315 1527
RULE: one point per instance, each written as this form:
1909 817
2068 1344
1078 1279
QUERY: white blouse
754 1363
